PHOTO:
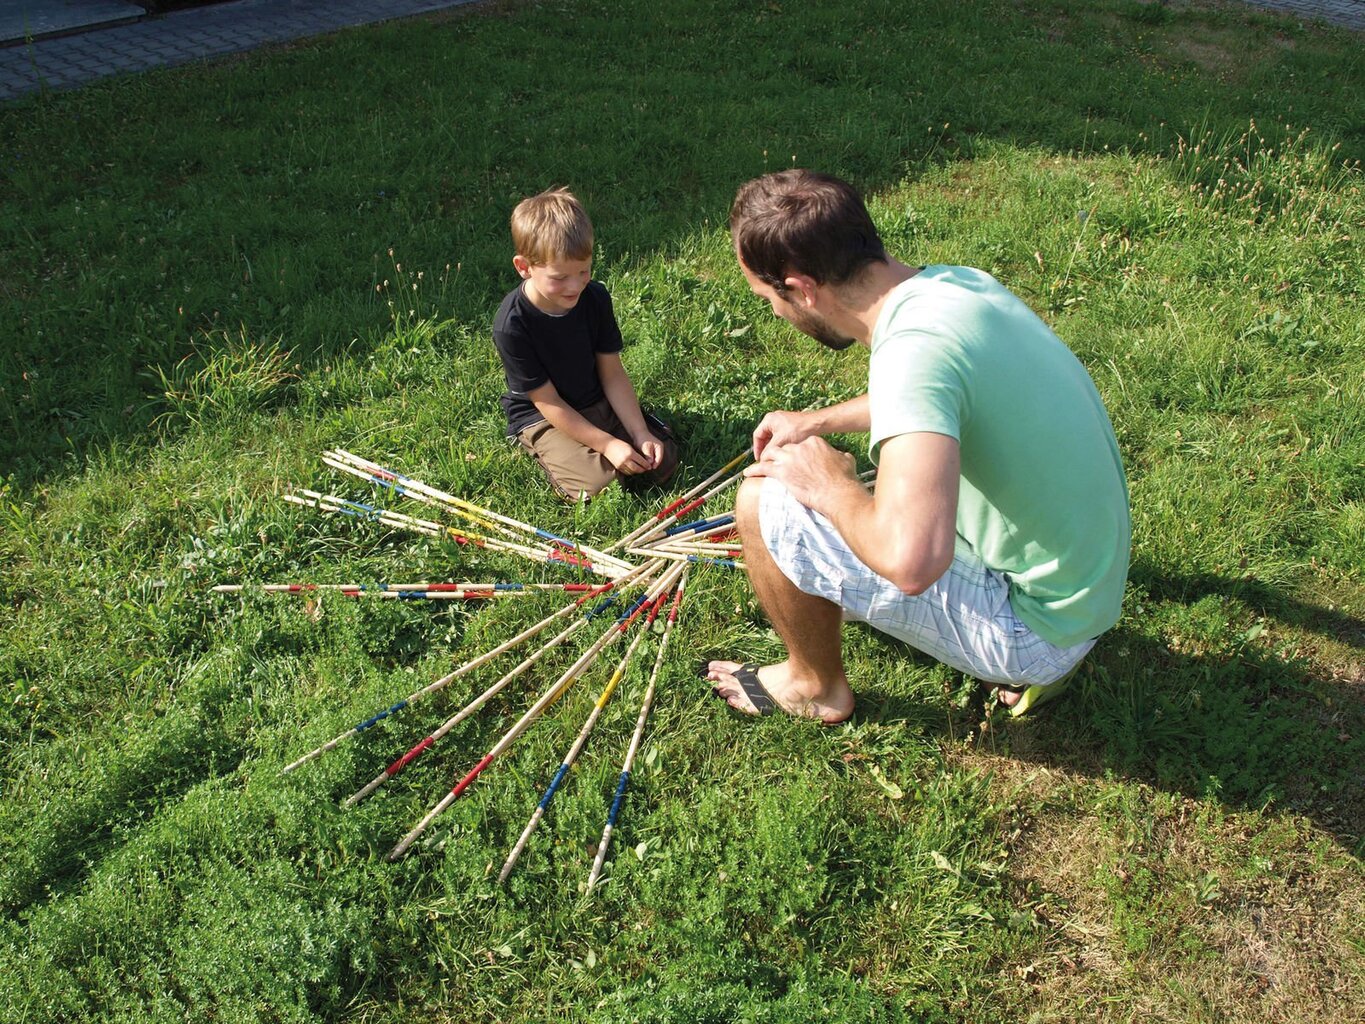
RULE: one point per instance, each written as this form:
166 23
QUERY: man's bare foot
830 703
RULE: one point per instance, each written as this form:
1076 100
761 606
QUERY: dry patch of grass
1221 50
1213 40
1154 906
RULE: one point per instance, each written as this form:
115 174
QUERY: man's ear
522 264
801 289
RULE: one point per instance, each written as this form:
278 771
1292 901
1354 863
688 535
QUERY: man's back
1043 497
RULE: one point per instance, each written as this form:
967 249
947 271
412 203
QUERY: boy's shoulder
512 314
510 301
596 296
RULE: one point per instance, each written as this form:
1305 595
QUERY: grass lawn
210 275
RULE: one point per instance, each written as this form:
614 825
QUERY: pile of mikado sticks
637 594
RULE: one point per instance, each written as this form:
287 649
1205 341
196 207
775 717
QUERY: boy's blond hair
551 226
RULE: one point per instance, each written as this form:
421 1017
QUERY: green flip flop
1033 697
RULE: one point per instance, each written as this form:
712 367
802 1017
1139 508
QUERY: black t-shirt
536 347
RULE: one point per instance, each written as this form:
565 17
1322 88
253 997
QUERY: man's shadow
1250 717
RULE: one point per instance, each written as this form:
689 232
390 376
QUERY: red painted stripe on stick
654 611
409 757
667 510
595 592
473 774
689 508
677 600
567 556
625 625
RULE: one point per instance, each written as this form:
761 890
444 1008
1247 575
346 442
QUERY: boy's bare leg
811 682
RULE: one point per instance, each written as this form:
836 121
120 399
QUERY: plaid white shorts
964 620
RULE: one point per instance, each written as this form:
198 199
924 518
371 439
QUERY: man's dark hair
803 222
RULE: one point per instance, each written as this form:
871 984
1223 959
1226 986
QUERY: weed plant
214 273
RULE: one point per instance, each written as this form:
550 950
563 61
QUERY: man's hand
816 474
625 458
781 427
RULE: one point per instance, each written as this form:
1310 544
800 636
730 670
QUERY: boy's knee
584 482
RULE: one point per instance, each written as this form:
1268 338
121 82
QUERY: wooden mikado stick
339 458
360 510
575 748
399 520
445 727
681 506
444 681
646 704
678 556
716 550
454 588
555 691
437 734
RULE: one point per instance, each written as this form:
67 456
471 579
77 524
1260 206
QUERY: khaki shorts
576 471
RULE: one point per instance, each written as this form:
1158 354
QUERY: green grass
211 274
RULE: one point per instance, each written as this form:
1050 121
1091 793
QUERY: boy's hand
651 448
625 458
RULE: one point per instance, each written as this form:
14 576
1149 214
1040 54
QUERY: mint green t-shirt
1043 498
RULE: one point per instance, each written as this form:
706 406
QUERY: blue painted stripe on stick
601 607
390 484
381 716
631 610
698 525
727 563
554 785
620 795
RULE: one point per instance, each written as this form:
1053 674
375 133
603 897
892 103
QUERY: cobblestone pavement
1346 13
64 62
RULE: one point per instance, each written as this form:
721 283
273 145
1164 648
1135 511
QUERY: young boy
569 401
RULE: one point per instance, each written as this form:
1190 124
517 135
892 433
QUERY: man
997 539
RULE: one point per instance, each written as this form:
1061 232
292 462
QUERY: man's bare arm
907 531
786 427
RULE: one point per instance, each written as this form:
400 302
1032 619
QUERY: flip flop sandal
747 676
1033 697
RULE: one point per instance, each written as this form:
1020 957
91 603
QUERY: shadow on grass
63 843
1249 724
279 234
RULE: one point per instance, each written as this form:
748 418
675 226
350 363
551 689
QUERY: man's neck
862 301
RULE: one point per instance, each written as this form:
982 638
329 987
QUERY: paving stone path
67 61
1346 13
41 47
